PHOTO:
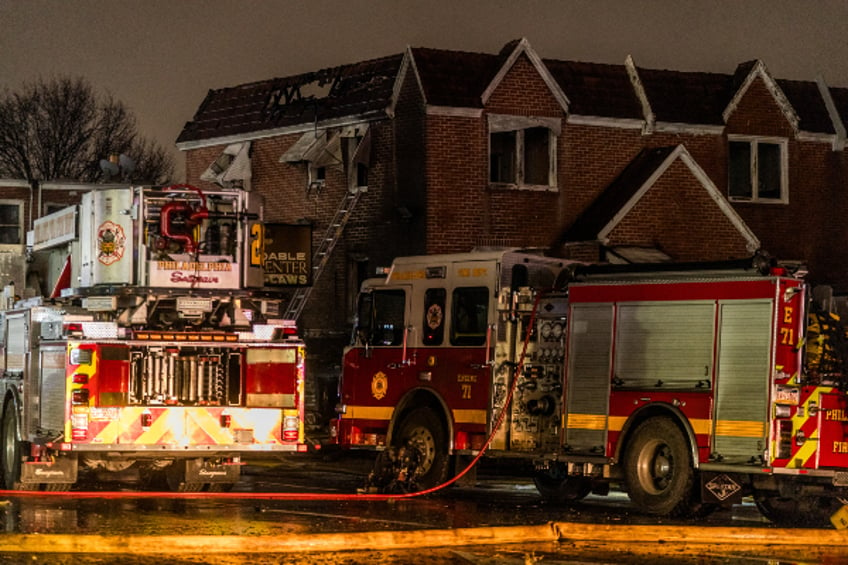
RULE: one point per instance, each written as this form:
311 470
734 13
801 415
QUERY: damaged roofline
288 130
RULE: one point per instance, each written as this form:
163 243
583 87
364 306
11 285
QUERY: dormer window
757 169
522 152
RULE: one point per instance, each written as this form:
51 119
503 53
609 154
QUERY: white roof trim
601 121
639 88
407 63
80 185
524 47
753 243
453 111
693 129
760 71
14 183
265 134
821 138
835 118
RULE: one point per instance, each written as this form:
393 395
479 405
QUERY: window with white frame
522 151
10 222
757 169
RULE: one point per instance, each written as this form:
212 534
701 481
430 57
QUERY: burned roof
349 90
459 79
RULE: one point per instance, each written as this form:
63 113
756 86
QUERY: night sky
161 56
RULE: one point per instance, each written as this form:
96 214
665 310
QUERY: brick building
434 151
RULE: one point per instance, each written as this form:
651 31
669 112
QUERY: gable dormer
517 55
759 121
759 103
525 107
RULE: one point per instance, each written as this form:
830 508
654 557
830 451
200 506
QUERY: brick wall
678 216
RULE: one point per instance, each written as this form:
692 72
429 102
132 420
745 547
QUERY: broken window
347 150
522 151
231 168
757 169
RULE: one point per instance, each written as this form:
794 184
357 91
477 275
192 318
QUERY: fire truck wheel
11 449
422 429
658 468
562 489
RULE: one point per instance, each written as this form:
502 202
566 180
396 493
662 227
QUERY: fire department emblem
111 243
434 316
379 384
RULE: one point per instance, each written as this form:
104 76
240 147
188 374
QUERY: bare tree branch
61 130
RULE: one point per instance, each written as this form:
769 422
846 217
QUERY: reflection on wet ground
496 501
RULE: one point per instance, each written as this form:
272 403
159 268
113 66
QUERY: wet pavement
241 520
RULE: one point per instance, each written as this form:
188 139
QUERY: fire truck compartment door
742 379
587 389
833 431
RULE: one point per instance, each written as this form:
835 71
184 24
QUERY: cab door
470 325
376 365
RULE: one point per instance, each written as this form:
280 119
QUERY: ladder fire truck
153 346
687 386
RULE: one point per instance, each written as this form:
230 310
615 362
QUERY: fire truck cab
689 386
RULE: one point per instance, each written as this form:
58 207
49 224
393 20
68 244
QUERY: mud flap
59 470
723 489
205 471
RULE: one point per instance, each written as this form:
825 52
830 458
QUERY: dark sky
161 56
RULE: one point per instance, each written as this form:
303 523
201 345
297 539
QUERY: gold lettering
840 447
787 315
837 415
466 378
787 336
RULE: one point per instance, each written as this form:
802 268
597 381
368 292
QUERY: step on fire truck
688 386
153 348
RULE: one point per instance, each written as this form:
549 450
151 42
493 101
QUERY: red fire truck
688 386
144 341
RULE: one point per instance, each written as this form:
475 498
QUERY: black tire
11 454
658 469
421 429
562 490
813 511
